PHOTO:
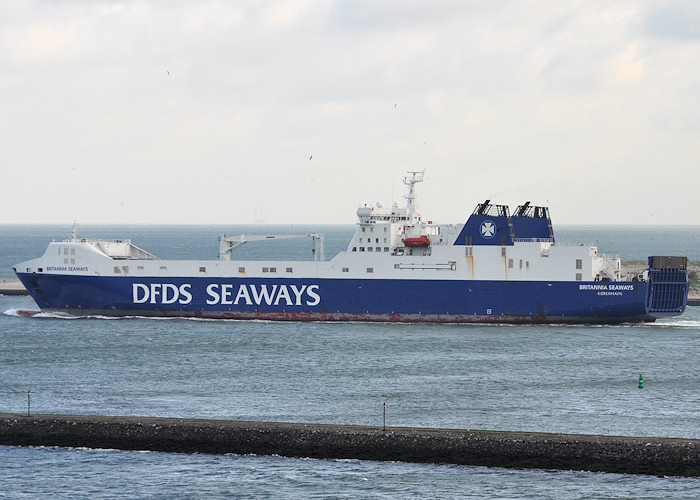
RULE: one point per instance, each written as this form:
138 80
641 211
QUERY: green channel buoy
641 381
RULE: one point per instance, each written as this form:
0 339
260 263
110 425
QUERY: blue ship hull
448 301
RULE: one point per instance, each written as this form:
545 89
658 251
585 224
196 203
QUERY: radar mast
411 182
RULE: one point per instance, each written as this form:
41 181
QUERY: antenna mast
415 178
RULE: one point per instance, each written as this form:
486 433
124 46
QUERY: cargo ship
498 267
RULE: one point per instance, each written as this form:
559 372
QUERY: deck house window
346 269
579 263
241 269
202 269
370 269
289 269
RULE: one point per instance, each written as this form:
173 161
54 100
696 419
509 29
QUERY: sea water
553 378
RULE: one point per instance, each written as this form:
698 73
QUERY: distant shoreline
12 286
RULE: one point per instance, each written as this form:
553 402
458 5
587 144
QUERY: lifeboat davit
420 241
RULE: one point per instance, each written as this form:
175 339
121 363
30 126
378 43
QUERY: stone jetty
523 450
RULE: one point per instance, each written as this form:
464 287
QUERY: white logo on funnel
488 229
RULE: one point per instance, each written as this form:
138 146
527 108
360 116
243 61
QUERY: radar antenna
411 182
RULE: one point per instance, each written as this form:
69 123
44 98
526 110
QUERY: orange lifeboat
420 241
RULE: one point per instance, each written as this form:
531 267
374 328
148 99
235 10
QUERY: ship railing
573 244
118 249
533 240
100 240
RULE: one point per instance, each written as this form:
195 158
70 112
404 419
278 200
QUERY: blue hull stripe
344 299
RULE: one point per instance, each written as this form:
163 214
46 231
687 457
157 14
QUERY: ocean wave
680 322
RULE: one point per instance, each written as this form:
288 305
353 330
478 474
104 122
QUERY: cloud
678 19
155 111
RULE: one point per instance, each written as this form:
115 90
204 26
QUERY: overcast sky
299 111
